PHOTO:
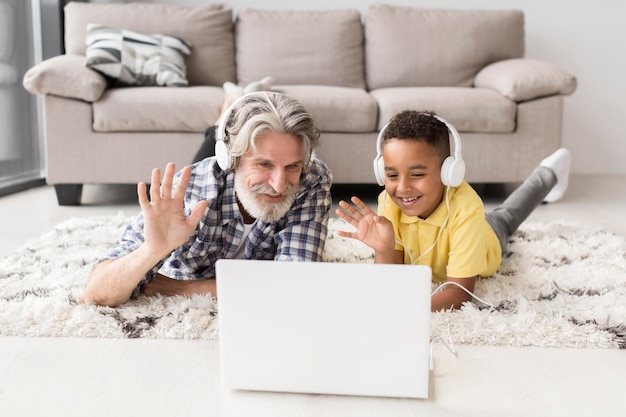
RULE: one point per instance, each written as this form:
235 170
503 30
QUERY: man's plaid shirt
298 236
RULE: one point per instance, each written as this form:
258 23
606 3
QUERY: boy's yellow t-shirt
467 246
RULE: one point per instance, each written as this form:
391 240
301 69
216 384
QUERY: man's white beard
257 207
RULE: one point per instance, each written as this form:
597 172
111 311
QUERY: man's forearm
168 286
112 282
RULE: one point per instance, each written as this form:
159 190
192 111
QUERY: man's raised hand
165 225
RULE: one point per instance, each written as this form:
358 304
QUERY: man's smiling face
267 179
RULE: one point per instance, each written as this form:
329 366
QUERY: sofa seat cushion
157 109
208 29
300 47
336 109
417 47
468 109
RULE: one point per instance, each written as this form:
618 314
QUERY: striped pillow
132 58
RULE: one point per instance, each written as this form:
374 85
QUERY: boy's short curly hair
420 126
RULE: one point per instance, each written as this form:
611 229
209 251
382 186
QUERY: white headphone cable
471 294
443 225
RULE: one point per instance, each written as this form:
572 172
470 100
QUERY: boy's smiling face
413 176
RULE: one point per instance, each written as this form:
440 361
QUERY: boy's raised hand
373 230
166 227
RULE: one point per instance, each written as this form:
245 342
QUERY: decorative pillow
525 79
132 58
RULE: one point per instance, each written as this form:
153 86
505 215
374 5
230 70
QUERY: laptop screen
325 328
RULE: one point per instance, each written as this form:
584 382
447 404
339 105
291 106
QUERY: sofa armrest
65 76
525 79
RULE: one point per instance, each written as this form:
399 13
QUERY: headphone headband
452 168
456 138
223 154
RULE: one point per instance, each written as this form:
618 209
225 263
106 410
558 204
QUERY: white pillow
525 79
132 58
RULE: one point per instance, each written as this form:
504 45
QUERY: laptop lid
324 328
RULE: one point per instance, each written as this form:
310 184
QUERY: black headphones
452 169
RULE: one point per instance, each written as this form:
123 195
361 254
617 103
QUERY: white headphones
452 169
224 157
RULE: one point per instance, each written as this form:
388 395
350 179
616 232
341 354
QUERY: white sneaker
233 90
261 85
559 162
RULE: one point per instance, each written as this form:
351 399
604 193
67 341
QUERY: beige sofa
353 71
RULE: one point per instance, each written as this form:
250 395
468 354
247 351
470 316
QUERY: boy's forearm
449 298
445 300
389 257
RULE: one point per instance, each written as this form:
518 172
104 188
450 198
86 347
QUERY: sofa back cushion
300 47
415 47
208 29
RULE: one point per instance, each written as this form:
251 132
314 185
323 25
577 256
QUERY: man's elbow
99 290
93 298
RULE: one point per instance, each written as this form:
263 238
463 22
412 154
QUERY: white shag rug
563 284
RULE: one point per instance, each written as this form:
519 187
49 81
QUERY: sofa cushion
525 79
468 109
65 76
132 58
208 29
336 109
157 109
414 47
300 47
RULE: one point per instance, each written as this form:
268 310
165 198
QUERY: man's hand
112 282
166 226
375 231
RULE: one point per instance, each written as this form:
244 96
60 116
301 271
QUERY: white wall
586 38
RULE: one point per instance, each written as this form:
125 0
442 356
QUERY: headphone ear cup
379 163
223 155
379 169
452 171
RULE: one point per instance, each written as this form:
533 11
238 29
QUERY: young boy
421 220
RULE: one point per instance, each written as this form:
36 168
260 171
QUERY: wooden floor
111 377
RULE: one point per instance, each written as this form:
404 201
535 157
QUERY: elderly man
263 196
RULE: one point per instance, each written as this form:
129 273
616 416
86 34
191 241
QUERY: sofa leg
68 194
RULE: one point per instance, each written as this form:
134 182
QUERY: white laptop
324 328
